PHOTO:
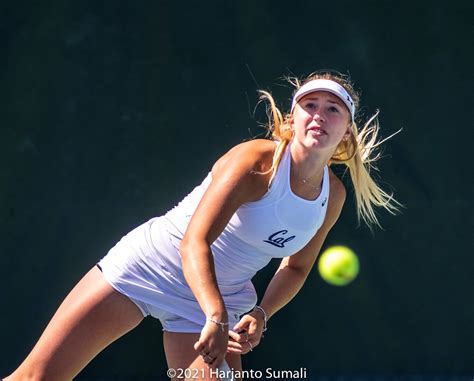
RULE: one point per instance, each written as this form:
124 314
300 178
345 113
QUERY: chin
316 143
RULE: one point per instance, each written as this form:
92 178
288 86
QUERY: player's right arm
234 182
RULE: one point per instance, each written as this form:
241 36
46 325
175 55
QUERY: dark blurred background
112 111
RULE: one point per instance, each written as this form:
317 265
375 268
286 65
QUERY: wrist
224 325
218 315
263 314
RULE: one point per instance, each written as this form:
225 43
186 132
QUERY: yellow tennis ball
338 265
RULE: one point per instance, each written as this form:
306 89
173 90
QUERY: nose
318 116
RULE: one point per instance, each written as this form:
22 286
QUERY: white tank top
278 225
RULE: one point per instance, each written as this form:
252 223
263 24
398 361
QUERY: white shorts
142 266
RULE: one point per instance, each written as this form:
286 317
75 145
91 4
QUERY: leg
180 354
91 317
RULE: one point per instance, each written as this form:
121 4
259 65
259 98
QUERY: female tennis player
192 268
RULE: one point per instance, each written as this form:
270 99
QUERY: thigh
180 354
91 317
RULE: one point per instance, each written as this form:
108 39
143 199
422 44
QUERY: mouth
317 131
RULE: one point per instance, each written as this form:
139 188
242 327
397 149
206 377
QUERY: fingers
248 323
240 337
208 358
199 346
241 348
212 345
244 323
250 346
234 336
242 342
252 329
244 337
212 358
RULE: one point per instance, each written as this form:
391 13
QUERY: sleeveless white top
276 226
146 264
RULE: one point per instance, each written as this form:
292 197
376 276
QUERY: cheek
299 121
340 125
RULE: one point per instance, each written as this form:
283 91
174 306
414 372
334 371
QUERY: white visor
325 85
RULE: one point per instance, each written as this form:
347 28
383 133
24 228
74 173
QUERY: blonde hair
358 153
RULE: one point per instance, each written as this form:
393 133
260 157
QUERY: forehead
323 95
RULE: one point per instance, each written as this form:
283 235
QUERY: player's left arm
291 274
293 271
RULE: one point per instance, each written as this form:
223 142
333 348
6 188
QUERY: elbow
184 248
191 247
298 273
301 273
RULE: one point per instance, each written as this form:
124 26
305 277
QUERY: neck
307 164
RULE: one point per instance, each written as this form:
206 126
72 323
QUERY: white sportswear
146 264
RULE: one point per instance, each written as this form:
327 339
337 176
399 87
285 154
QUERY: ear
292 122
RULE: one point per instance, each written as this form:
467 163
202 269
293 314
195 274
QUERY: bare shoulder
254 155
234 182
337 189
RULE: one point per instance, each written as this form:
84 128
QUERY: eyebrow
337 101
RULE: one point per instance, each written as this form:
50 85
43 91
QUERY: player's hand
212 344
246 334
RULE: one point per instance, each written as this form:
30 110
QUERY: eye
310 105
333 109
